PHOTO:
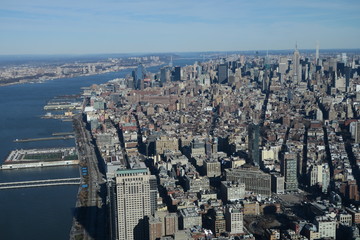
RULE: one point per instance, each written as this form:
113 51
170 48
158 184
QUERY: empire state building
296 66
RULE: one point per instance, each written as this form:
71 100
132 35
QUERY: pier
53 116
45 139
48 157
40 183
63 106
63 133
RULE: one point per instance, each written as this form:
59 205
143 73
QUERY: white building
234 218
326 227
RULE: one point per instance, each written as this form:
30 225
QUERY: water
40 213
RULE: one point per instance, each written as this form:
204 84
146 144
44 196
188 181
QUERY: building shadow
90 219
141 230
94 219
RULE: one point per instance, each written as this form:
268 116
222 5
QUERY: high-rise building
355 131
289 171
344 58
283 67
223 73
165 75
296 66
139 76
253 143
133 204
177 74
317 53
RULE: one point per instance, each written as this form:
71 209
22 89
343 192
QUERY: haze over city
87 27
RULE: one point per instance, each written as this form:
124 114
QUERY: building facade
133 203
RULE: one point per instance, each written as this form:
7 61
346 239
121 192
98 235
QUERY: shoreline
72 76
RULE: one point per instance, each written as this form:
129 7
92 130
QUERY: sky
150 26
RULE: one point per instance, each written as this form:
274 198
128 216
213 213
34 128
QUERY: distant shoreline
71 76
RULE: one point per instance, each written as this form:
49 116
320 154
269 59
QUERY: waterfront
46 212
40 213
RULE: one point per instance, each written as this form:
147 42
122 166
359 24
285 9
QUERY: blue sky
136 26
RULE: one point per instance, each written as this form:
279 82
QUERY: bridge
40 183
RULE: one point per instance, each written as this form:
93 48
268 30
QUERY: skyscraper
289 170
138 76
177 74
283 67
165 74
355 131
133 204
223 73
317 53
253 143
296 66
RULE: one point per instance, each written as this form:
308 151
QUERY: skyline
95 27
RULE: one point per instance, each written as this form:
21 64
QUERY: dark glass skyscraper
177 74
289 170
253 144
223 73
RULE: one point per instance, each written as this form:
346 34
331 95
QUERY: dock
45 139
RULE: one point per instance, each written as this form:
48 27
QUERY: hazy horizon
138 26
260 51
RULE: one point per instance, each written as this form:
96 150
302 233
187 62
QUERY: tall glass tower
253 143
139 76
